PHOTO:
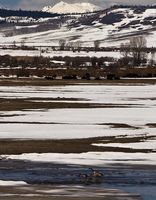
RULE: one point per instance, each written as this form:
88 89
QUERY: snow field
139 111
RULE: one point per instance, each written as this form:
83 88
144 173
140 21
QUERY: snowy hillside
63 7
110 27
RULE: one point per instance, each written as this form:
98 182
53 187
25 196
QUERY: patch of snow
149 13
12 183
32 26
149 144
59 53
90 158
57 62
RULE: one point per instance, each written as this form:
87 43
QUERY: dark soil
120 125
70 145
37 103
151 125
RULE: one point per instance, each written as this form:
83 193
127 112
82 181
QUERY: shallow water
132 179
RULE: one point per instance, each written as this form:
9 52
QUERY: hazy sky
38 4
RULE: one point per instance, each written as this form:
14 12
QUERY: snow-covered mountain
63 7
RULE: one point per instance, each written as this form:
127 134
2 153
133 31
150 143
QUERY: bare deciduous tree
78 45
152 60
125 49
136 48
125 52
96 45
138 45
22 43
14 43
62 44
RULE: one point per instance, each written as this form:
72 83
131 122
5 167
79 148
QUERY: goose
83 176
95 173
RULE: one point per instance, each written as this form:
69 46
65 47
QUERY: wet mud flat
56 181
66 193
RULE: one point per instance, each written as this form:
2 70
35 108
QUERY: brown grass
70 145
43 82
151 125
29 103
120 125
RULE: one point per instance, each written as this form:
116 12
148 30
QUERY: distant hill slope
110 27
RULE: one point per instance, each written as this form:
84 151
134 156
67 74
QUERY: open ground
52 131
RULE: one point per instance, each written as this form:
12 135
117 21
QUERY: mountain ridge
64 8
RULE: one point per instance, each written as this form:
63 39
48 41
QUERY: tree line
26 13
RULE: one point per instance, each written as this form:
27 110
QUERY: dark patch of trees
134 6
24 13
23 62
112 18
84 61
87 20
45 62
89 68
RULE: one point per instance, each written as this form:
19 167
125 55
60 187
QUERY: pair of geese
94 175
